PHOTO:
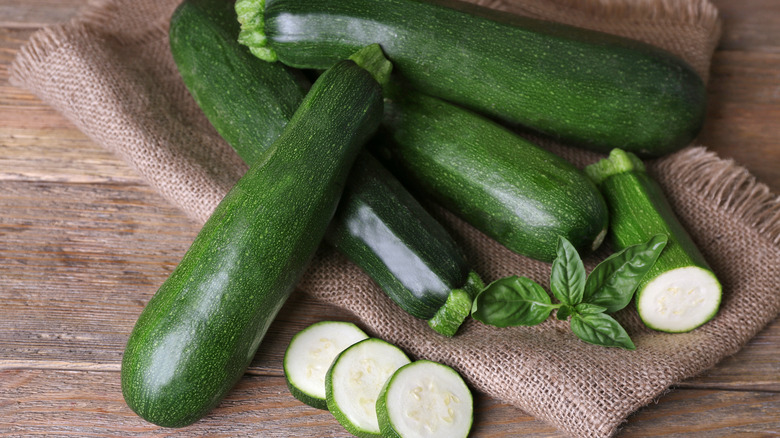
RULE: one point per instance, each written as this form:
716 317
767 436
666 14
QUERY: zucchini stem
250 15
373 60
457 307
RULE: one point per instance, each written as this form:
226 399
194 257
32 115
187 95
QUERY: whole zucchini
515 192
199 332
583 87
379 225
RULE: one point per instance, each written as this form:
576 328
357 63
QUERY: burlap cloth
110 72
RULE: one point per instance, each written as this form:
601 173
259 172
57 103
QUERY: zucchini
515 192
381 227
199 332
311 353
203 43
249 101
680 292
354 381
583 87
425 398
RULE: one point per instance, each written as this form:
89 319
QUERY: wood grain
84 243
89 403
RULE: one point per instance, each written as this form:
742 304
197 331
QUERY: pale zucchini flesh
679 300
425 399
310 354
354 381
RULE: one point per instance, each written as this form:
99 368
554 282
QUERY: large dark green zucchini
515 192
380 226
583 87
202 328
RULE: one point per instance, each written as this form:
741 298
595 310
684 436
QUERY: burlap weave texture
110 72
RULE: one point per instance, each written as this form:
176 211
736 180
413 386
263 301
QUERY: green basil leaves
600 329
514 301
568 274
613 282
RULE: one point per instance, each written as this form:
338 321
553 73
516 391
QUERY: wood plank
744 107
61 402
79 262
754 368
687 413
749 25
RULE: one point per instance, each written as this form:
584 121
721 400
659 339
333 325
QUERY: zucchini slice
425 399
310 354
354 381
680 292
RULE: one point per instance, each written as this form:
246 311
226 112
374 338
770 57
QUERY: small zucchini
680 292
515 192
379 226
199 332
583 87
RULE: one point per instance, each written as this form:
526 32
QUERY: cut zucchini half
354 381
680 292
680 300
425 399
310 354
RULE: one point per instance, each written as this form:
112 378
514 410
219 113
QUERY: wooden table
84 243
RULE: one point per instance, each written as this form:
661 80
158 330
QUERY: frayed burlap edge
729 185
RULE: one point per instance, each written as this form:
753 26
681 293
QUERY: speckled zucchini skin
583 87
225 79
510 189
199 332
638 210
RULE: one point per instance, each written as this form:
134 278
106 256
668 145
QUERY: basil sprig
514 301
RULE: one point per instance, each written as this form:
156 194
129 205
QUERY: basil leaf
567 279
601 329
613 282
512 301
586 308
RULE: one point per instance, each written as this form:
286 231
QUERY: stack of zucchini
317 155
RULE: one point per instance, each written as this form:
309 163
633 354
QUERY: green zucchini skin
638 210
203 37
379 225
583 87
199 332
515 192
